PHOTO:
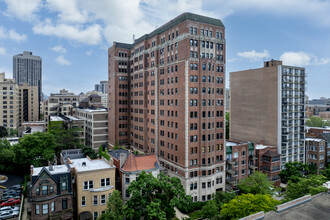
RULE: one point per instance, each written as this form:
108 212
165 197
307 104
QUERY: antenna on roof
133 38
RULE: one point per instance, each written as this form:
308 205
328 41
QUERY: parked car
11 202
5 198
16 187
9 208
8 214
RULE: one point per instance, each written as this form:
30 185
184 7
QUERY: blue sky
72 36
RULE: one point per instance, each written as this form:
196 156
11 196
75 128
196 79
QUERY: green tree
155 211
222 198
211 210
115 207
147 191
3 132
7 156
66 139
12 132
326 172
35 149
316 122
227 125
308 185
293 171
88 151
256 183
248 204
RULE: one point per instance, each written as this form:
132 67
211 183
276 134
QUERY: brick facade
166 96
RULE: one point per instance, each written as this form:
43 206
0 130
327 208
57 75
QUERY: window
105 182
64 186
83 201
90 184
96 215
127 180
45 209
102 199
64 204
51 189
37 210
236 155
126 194
52 208
95 200
85 185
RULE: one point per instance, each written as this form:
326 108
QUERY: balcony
230 162
230 180
232 172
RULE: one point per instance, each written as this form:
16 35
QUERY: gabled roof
139 163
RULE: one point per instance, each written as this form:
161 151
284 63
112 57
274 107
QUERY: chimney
262 142
122 159
133 38
31 170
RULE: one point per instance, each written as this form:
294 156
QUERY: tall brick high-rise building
166 93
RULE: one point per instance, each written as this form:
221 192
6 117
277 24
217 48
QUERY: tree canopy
155 198
88 151
316 122
36 149
3 132
248 204
115 208
307 185
256 183
293 171
66 139
6 156
326 172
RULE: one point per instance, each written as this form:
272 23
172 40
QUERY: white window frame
52 209
83 199
103 199
37 210
97 200
45 209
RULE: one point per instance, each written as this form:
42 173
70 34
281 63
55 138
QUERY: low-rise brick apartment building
94 183
243 158
51 193
316 150
268 161
323 133
167 98
240 162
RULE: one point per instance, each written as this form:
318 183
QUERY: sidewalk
180 215
25 208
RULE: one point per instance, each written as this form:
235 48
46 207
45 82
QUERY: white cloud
68 11
89 52
62 61
302 59
11 35
2 51
296 58
89 35
59 49
22 9
253 55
